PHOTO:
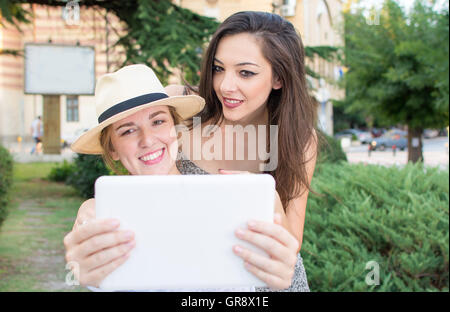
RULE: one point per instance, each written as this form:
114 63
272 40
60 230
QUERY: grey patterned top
299 281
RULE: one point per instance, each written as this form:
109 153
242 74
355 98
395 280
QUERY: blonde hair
107 146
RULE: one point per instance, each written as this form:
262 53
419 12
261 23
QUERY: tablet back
184 227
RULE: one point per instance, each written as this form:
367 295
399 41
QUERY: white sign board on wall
59 69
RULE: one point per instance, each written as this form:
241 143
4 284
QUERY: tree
398 69
13 13
159 33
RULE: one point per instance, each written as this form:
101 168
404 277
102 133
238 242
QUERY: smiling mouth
231 103
153 157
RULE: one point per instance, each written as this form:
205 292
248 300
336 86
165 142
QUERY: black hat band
131 103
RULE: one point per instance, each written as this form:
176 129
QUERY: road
429 145
435 153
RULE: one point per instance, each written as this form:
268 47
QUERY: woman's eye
217 69
246 73
127 132
158 122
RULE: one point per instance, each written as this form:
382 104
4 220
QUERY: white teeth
152 156
233 101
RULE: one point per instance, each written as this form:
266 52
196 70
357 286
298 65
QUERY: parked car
377 132
396 137
365 137
443 132
430 133
355 134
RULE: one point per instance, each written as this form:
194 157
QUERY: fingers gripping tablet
184 227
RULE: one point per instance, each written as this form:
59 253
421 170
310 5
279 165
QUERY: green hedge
82 173
86 169
330 149
62 172
6 178
396 217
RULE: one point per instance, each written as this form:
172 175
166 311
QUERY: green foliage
398 70
62 172
6 178
13 13
87 169
161 33
327 53
398 217
330 149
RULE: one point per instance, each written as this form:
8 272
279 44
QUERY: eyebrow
129 124
238 64
156 113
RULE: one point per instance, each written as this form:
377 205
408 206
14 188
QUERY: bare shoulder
314 138
312 147
173 90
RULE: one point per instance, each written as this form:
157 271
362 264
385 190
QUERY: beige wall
221 9
321 27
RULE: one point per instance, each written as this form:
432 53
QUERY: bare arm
95 247
276 239
296 210
279 209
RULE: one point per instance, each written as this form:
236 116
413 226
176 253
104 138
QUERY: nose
147 137
228 83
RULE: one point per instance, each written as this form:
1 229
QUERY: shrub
87 169
61 173
6 178
398 217
330 149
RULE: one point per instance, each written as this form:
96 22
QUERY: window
72 108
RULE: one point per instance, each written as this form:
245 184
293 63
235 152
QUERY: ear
114 155
276 85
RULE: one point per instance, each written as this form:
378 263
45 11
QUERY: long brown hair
290 108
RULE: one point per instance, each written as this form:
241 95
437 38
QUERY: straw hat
123 93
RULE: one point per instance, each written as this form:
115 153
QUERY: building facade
315 20
91 27
318 23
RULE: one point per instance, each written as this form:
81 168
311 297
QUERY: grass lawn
41 213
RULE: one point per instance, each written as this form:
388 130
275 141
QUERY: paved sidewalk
387 158
21 153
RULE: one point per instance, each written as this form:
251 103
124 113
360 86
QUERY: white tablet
184 227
